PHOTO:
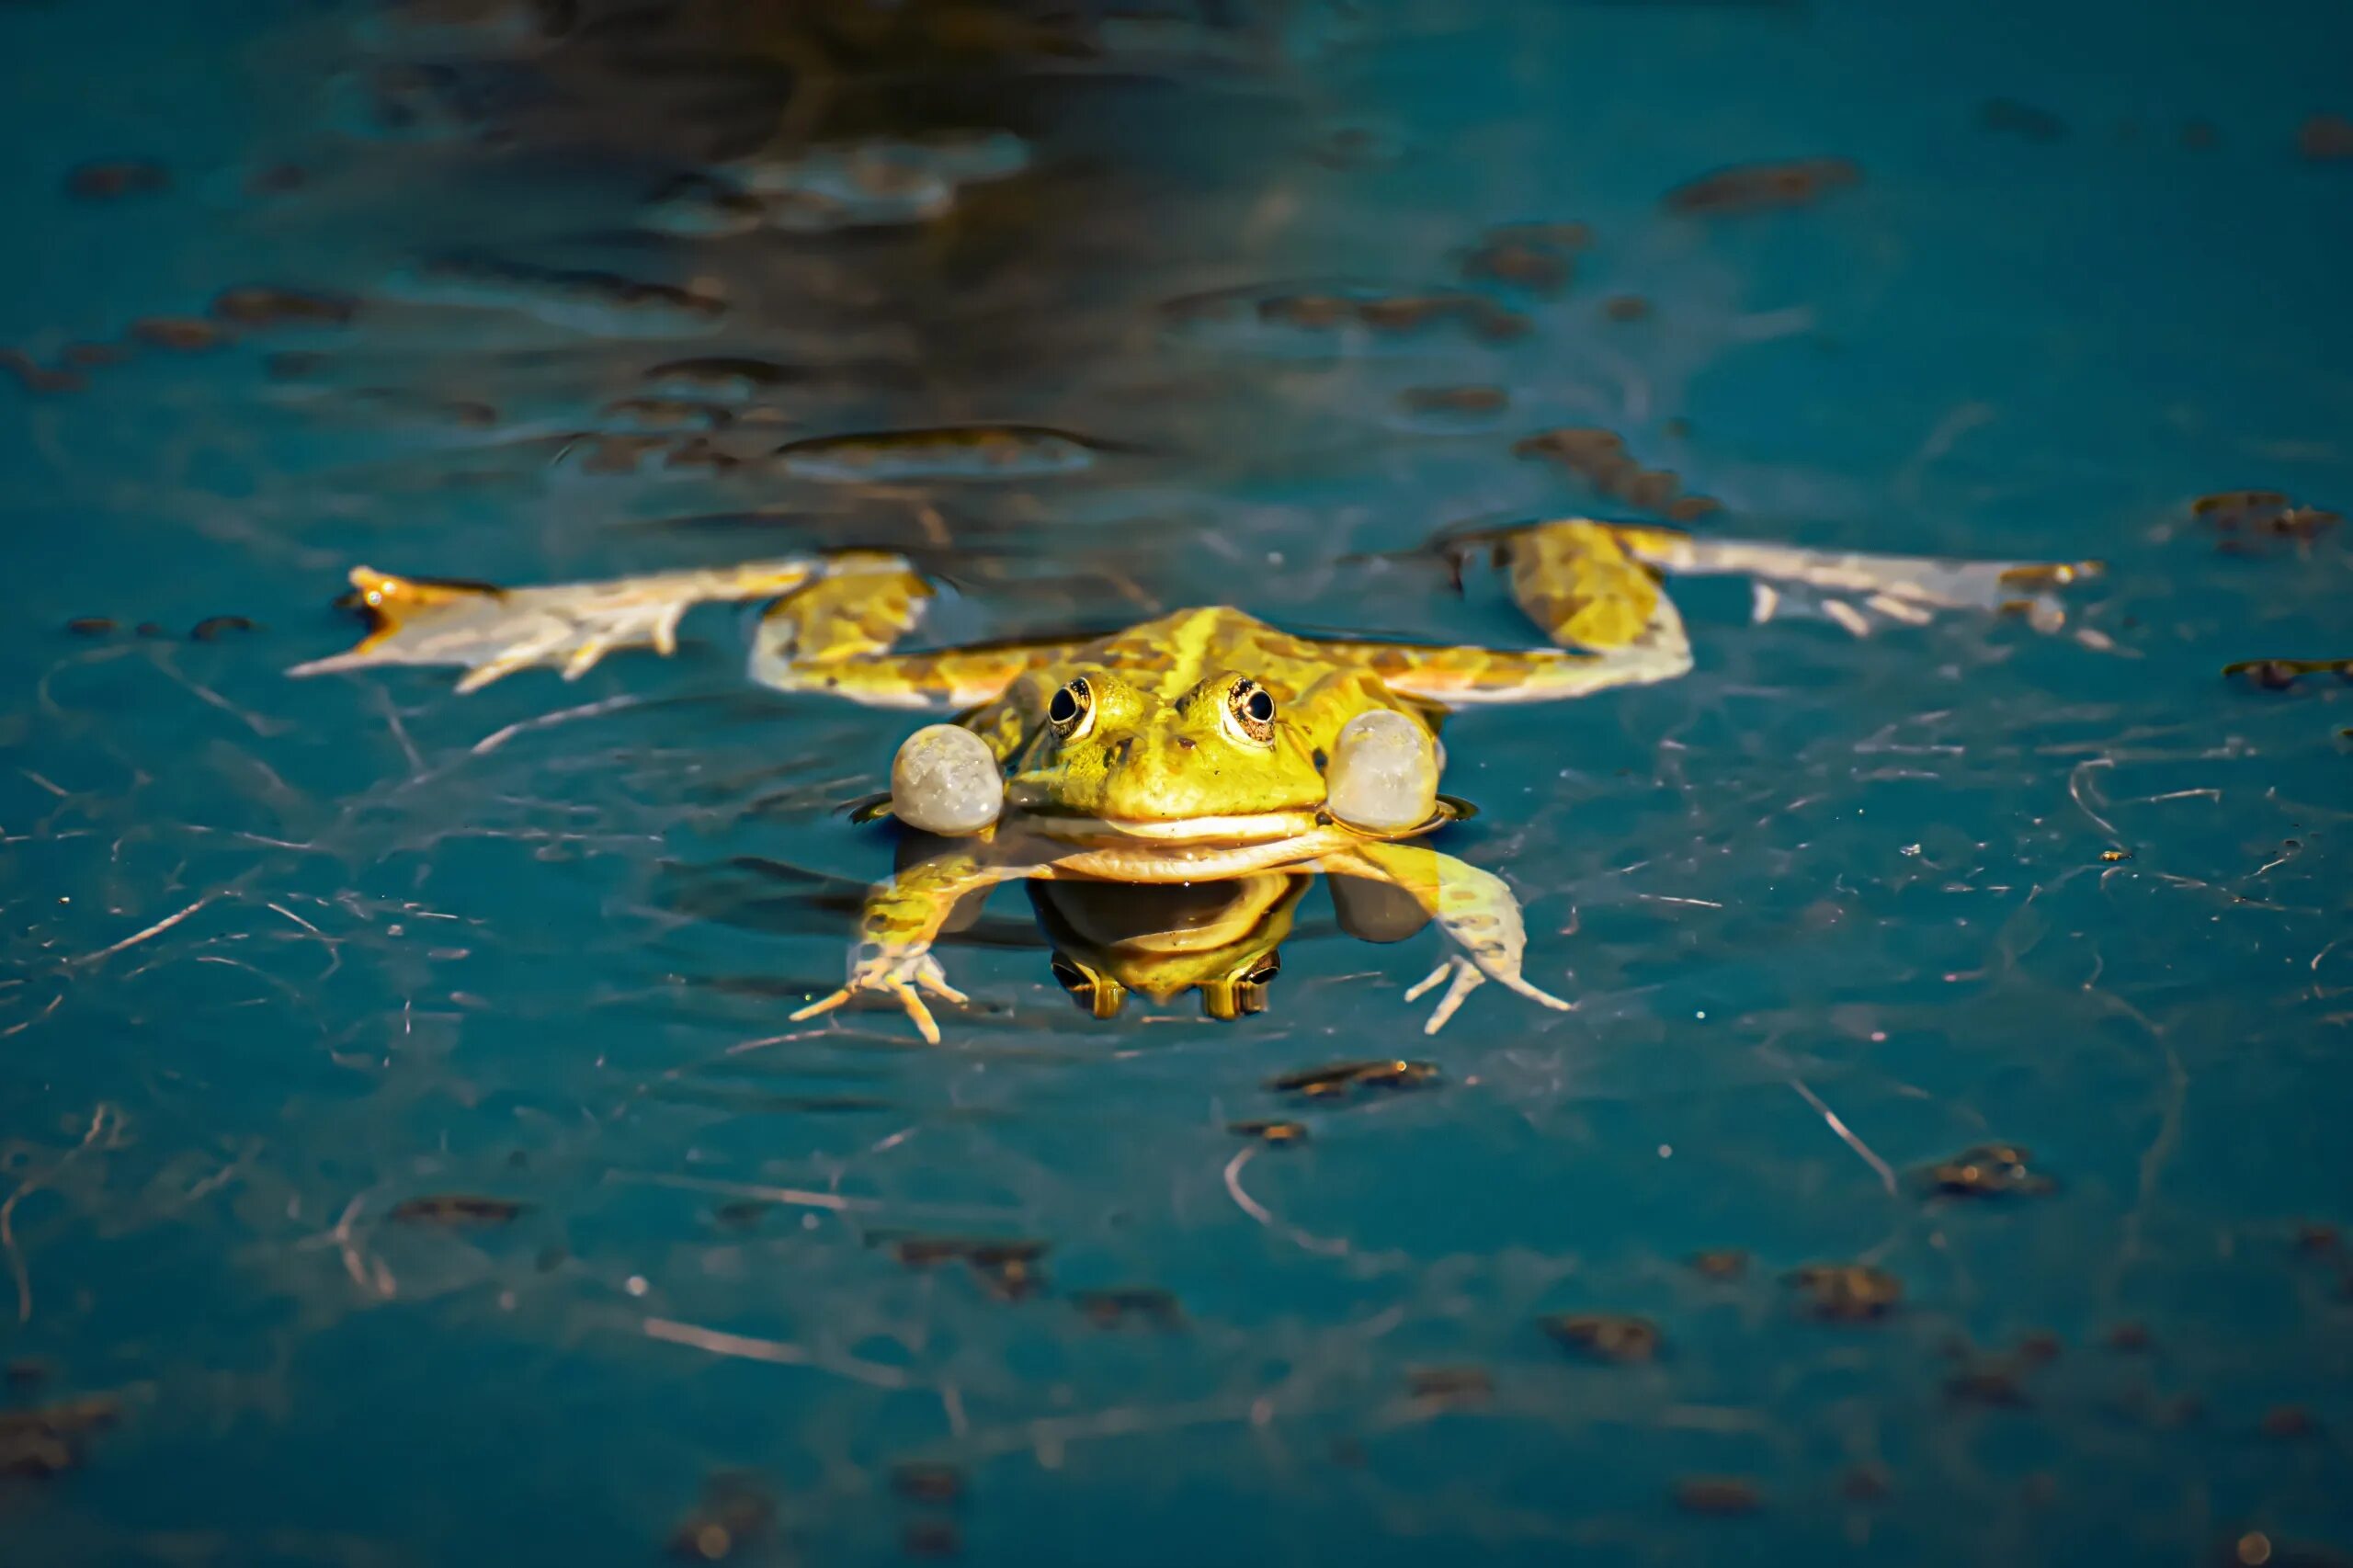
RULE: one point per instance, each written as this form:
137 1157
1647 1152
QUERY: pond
410 1154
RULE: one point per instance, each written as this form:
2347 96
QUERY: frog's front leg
1473 907
904 917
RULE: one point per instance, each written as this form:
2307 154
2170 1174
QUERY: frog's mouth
1230 832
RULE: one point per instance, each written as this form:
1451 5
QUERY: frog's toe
934 979
1862 594
1463 978
584 658
899 977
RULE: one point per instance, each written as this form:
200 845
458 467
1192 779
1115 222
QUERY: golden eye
1252 708
1072 708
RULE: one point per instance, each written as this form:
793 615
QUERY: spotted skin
1162 768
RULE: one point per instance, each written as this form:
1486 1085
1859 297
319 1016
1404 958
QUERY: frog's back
1170 654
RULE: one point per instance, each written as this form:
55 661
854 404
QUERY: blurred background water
405 1157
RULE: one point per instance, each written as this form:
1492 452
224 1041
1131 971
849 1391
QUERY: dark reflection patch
2325 138
2008 117
53 1439
1134 1306
1847 1292
1601 459
962 452
736 1514
1989 1170
1604 1336
1538 257
116 179
2253 522
1450 1388
1340 1079
182 335
1263 316
2279 674
1721 1262
457 1208
1009 1269
258 305
1763 187
36 377
1718 1496
1270 1131
918 1481
1469 400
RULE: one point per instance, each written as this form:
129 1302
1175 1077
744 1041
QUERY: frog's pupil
1063 707
1261 706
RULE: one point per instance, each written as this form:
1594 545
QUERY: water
284 955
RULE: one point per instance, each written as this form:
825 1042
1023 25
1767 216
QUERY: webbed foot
1464 976
1862 593
492 632
896 972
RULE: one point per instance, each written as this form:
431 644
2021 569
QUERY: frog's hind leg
1599 603
1857 591
492 631
835 634
1473 907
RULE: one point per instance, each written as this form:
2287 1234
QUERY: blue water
282 955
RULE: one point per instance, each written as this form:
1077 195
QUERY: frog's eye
1265 969
1250 709
1071 711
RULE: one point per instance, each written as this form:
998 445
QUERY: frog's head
1215 764
1219 937
1233 761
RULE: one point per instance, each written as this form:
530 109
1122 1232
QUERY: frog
1204 745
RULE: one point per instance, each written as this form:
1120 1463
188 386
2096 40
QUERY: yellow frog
1204 745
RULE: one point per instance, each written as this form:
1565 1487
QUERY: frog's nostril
1187 743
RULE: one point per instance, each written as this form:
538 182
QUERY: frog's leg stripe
834 635
492 631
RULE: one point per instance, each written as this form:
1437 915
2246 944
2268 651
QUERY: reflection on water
1223 939
408 1156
